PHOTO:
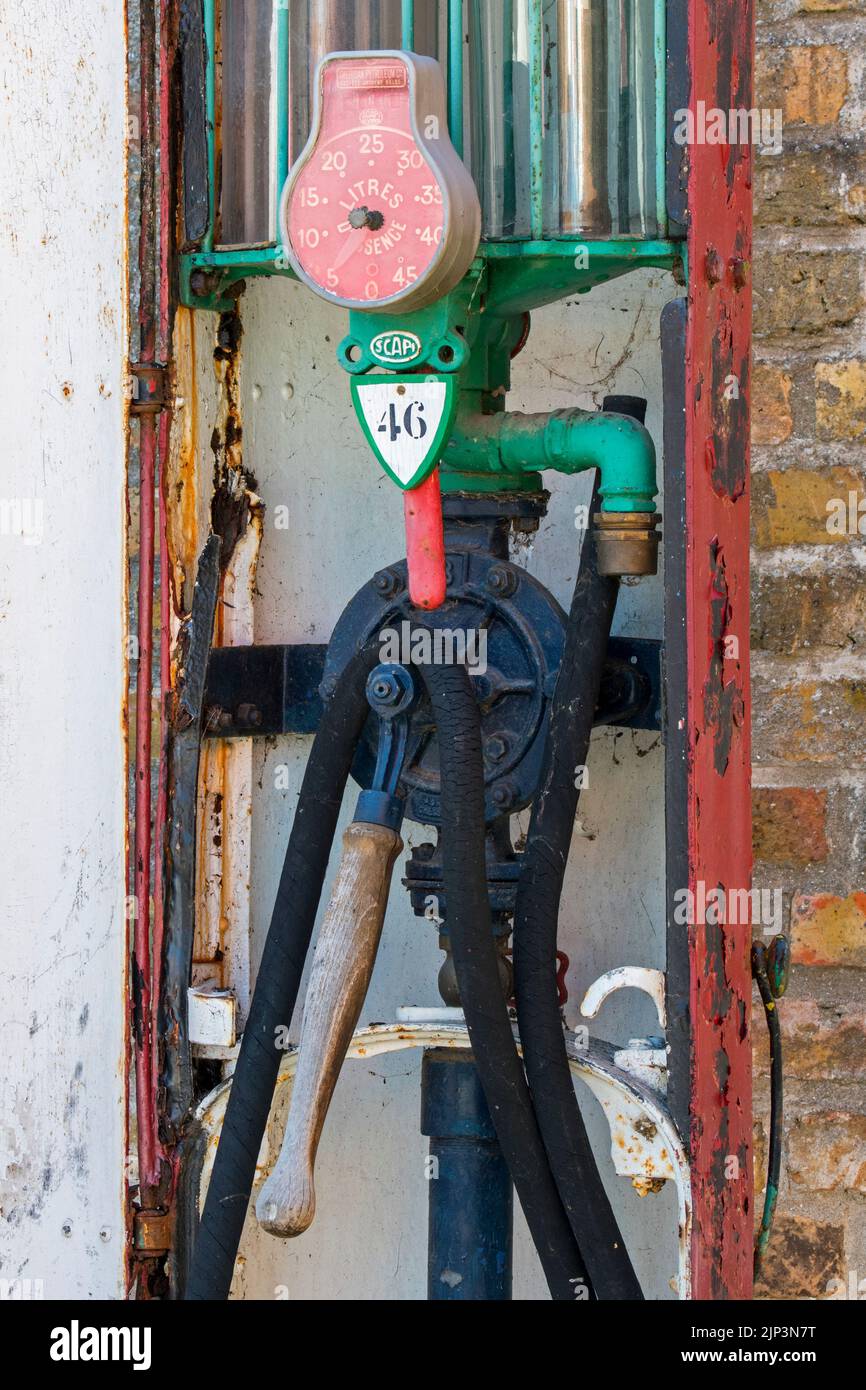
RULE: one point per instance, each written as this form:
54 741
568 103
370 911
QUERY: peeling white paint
62 755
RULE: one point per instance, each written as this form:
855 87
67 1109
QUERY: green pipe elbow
568 441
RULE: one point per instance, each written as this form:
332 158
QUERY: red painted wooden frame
707 627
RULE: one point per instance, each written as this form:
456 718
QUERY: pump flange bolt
495 748
627 543
388 583
503 795
502 581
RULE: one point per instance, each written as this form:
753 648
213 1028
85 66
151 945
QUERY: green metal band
407 13
210 109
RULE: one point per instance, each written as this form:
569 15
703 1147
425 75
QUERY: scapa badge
396 348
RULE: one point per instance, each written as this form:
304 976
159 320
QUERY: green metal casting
207 272
523 275
536 123
506 448
407 22
474 331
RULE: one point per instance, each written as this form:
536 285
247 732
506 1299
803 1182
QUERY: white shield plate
407 420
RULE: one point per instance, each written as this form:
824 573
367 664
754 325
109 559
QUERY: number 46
413 424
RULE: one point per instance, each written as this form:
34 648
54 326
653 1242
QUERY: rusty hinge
148 388
152 1232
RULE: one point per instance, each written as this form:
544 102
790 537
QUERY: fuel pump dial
379 211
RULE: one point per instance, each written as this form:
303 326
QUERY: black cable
475 961
769 999
278 980
535 932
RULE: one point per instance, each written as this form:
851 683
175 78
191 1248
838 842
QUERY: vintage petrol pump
441 171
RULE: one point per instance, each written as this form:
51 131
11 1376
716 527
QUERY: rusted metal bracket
176 1081
253 691
152 1233
268 690
149 388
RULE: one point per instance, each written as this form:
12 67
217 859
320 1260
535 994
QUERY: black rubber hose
475 961
774 1157
535 933
278 980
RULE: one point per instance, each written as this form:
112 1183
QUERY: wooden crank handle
342 966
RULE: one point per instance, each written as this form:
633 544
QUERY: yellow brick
840 404
790 507
855 201
828 6
828 930
771 409
827 1151
815 81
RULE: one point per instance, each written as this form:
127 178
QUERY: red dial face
365 214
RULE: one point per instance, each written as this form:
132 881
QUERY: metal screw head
66 1228
249 714
390 690
495 748
383 687
105 1233
388 583
503 795
501 581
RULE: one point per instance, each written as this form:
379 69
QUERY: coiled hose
535 933
278 980
475 961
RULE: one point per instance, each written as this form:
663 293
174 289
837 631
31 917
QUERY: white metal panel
62 754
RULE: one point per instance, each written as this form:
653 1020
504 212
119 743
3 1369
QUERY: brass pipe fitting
627 543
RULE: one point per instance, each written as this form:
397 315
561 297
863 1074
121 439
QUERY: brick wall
809 624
